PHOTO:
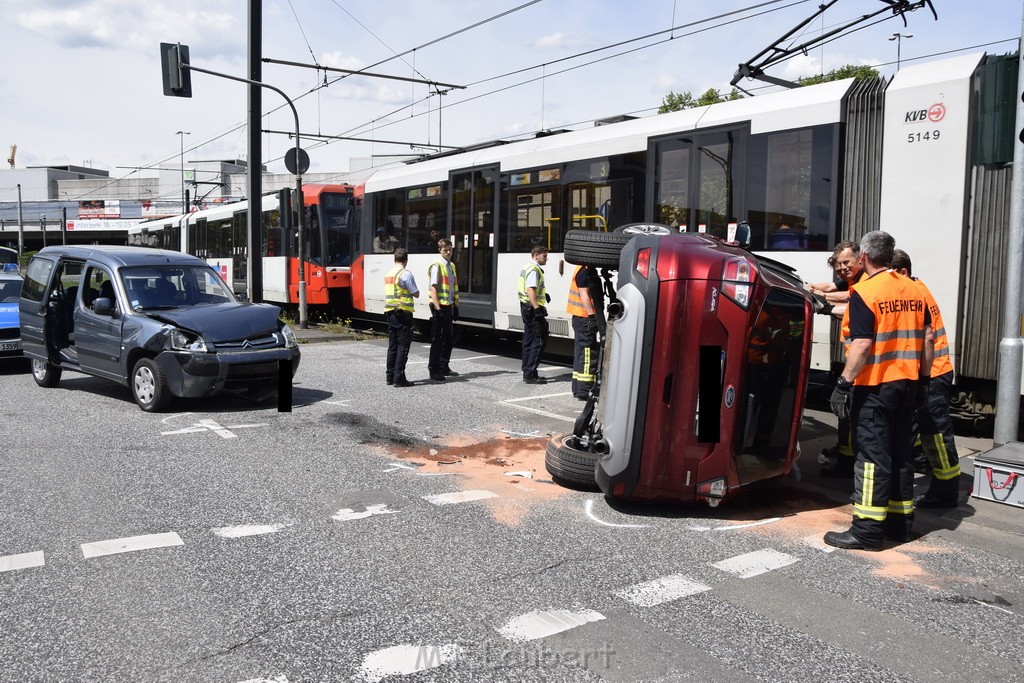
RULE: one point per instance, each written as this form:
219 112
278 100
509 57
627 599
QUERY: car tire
598 249
45 373
645 229
149 386
569 466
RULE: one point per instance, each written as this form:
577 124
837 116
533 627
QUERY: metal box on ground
999 474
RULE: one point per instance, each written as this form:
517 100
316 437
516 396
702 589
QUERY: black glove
592 324
825 310
921 396
540 312
455 312
435 312
840 400
548 297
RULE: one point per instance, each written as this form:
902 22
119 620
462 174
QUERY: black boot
841 468
942 493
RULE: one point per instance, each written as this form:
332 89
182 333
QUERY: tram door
699 181
473 211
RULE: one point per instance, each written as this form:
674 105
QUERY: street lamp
181 136
898 37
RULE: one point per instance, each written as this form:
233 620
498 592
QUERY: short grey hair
877 247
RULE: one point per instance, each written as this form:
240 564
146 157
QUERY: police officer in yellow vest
399 291
586 306
886 376
532 305
933 421
444 308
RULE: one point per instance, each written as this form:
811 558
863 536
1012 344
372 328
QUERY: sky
81 79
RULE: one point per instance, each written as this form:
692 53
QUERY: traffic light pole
255 202
1010 346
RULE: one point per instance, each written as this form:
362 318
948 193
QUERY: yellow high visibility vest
395 295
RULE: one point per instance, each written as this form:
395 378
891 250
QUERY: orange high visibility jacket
575 305
942 364
899 309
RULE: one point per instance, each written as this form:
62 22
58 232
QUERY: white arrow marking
348 514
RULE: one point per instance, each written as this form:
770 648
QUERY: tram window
389 213
218 238
337 211
533 218
789 189
672 187
426 218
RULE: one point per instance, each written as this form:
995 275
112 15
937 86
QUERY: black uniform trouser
584 357
936 429
441 341
535 338
399 341
883 432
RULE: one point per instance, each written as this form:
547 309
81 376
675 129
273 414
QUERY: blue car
10 330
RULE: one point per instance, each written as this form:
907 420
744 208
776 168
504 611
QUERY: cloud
558 40
136 26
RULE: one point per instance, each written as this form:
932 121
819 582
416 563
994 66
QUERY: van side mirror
103 306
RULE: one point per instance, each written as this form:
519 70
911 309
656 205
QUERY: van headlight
290 342
186 341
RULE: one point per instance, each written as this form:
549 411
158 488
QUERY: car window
10 289
38 276
97 284
162 287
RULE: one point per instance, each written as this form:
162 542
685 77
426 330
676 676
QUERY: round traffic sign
289 161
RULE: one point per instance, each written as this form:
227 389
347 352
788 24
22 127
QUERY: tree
848 71
685 100
674 101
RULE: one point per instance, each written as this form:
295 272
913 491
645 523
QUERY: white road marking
754 563
589 508
348 514
459 497
276 679
248 530
535 432
730 527
534 398
401 660
215 427
525 474
435 474
398 466
817 542
131 544
537 410
21 561
344 403
658 591
541 624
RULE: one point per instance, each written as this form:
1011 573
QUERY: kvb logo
933 114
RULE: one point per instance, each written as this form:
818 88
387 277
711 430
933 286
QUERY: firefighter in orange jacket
933 421
886 375
586 306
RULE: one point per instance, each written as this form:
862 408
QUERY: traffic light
177 79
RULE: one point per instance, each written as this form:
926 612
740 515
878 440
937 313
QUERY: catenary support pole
1010 346
254 160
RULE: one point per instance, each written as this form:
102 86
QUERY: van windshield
163 287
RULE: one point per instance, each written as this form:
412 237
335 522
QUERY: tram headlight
290 342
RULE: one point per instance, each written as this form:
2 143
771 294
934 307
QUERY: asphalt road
375 533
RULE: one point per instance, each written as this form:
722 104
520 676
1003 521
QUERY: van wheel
149 386
569 466
45 373
598 249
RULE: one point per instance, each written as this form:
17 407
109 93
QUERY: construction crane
10 159
777 53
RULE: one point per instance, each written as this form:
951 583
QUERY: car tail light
713 490
643 261
737 279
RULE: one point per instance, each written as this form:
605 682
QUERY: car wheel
569 466
149 386
45 373
598 249
646 229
